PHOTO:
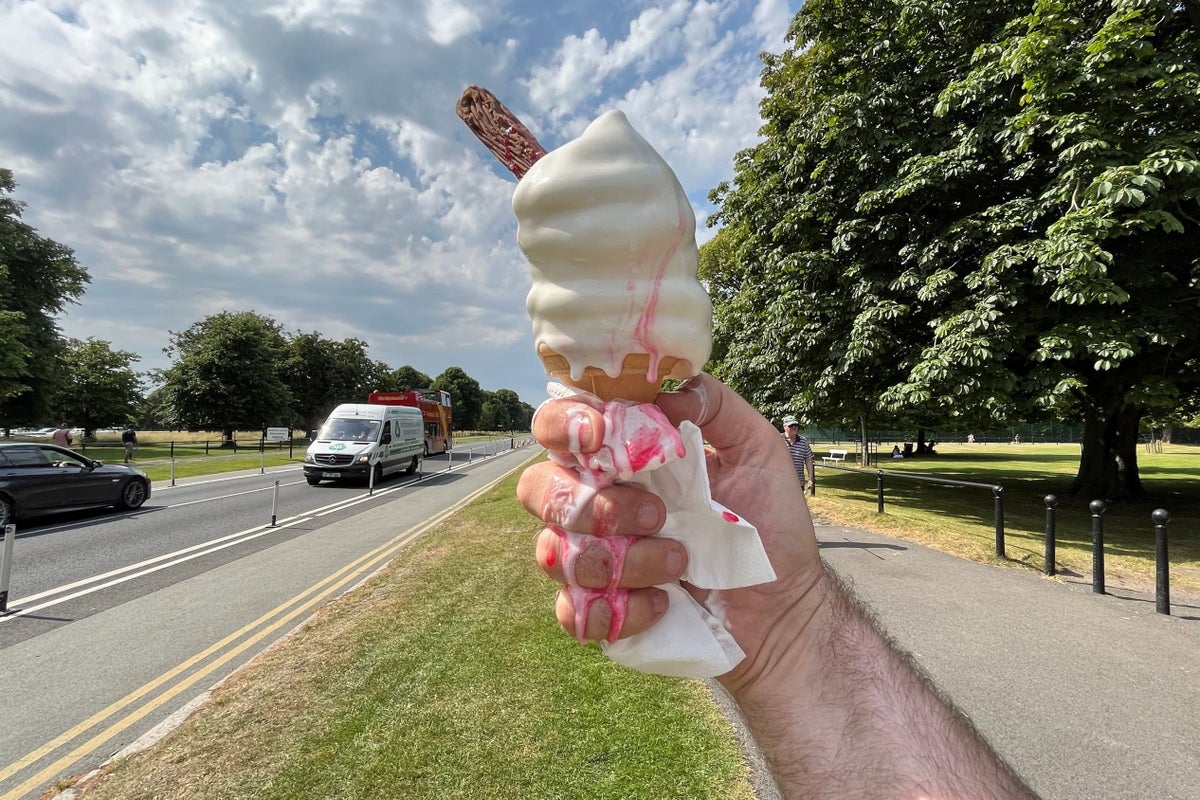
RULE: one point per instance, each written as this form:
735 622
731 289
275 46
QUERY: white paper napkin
724 552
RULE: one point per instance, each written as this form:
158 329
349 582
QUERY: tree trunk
922 449
1168 431
864 447
1129 418
1109 433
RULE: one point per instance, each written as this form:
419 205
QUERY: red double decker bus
436 412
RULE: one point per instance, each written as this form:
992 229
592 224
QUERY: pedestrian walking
129 439
802 454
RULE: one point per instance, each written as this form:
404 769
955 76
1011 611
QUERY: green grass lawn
445 676
960 519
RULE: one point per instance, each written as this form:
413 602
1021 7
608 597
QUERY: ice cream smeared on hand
611 238
637 437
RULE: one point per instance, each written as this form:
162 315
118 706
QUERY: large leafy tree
465 394
226 375
1000 218
502 410
38 279
408 377
320 373
100 387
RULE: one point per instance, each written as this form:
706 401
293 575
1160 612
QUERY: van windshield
350 430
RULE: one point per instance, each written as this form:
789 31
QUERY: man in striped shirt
801 450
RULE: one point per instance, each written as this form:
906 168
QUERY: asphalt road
95 666
1089 697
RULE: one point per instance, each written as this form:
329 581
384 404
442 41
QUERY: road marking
339 579
19 609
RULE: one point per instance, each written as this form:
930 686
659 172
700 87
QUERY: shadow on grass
1129 536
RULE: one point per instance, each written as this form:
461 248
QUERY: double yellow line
316 593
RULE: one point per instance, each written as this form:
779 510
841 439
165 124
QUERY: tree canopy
971 210
38 279
227 374
100 387
464 393
406 377
320 373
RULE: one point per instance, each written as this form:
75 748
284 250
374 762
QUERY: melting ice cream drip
610 235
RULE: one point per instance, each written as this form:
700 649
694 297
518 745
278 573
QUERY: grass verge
960 519
444 676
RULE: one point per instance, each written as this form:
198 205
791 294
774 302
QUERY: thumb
724 418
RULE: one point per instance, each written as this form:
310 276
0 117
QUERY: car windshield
350 430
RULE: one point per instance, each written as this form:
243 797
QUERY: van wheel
413 465
7 510
378 474
312 481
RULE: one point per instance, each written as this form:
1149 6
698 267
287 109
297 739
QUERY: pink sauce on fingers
572 544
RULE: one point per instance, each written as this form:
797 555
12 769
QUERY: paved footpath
1089 697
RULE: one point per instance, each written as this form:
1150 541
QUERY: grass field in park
960 519
445 676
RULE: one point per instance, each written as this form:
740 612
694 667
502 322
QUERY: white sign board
277 434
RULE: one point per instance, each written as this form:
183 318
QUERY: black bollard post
1097 507
879 490
1051 504
998 493
1162 594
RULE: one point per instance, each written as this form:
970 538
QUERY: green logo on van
338 446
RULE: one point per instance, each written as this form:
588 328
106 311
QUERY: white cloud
302 158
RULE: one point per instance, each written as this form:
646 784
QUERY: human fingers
724 418
569 425
592 615
624 562
555 495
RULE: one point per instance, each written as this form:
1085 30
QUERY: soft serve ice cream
610 236
616 307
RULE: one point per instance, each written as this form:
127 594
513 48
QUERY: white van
359 438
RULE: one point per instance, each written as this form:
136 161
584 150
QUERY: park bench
834 457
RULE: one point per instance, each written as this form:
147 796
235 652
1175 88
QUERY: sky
302 159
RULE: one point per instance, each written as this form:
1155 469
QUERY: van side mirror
387 438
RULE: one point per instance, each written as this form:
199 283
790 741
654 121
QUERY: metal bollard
274 504
1051 503
9 535
879 492
1162 581
1097 507
998 493
370 479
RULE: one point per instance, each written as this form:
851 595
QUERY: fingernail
660 602
675 562
647 517
695 385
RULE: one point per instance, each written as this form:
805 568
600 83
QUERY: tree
38 278
226 374
501 411
975 210
407 377
465 394
100 387
320 373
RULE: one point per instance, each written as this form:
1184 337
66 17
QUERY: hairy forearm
842 713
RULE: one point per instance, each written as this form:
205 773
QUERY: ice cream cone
630 384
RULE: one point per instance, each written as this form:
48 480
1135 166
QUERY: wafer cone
630 384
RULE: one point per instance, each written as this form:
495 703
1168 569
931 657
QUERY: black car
38 479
